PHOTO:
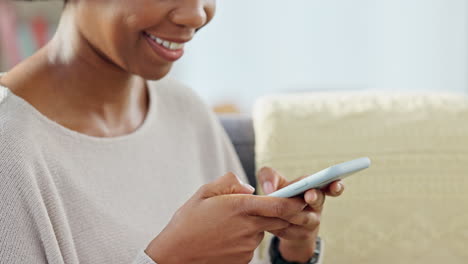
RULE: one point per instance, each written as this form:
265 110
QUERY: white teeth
167 44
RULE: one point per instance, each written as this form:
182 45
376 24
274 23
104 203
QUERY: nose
190 14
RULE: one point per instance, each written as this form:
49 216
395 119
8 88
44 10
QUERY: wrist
297 251
277 258
160 252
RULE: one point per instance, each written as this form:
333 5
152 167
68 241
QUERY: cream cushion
411 206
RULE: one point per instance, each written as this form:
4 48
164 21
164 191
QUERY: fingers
266 206
268 223
334 189
296 233
306 219
290 210
227 184
270 180
315 199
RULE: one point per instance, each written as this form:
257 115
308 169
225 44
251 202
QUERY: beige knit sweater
66 197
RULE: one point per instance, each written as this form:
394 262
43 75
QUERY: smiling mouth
165 43
165 49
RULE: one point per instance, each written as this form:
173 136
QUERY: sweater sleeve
26 234
20 239
229 158
143 258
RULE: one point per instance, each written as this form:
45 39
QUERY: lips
168 50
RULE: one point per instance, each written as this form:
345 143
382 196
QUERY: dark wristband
276 258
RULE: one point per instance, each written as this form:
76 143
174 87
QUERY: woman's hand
297 242
223 223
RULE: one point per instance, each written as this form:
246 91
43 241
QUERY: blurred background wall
263 46
259 47
24 28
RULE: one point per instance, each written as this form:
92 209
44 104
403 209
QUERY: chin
154 74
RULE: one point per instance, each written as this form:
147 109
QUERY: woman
97 156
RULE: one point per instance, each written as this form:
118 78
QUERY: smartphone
323 177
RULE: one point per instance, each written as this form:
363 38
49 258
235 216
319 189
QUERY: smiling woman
100 152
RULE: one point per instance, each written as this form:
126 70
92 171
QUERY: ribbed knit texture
66 197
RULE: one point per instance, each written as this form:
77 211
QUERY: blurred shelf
50 10
25 40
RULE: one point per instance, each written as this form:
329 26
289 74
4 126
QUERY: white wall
257 47
422 44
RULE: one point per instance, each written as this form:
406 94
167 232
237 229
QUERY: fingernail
250 187
312 196
339 188
268 187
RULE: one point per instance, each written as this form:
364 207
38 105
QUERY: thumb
269 179
227 184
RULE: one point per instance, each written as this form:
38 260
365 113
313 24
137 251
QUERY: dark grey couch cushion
240 130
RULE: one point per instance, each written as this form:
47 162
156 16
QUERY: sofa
411 206
240 130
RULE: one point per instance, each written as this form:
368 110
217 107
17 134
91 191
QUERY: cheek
211 9
123 34
104 32
116 34
128 48
105 24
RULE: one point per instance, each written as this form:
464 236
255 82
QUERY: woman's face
143 37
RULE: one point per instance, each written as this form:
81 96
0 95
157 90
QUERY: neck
89 74
89 93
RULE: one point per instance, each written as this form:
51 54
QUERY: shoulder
209 134
22 154
17 133
183 104
15 120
